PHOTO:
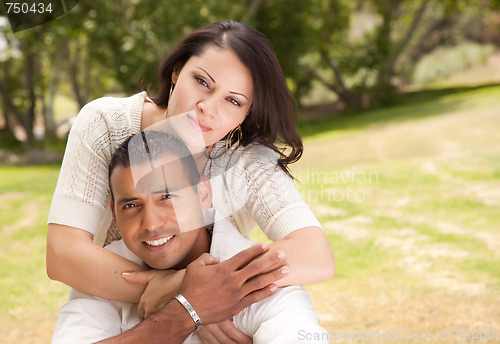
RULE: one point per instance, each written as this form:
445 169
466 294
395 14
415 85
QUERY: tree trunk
387 71
48 105
73 75
30 86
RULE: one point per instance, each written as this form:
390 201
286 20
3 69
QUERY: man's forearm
172 324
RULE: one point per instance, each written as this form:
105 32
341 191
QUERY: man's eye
166 196
129 205
201 81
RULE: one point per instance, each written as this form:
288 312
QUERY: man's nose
153 218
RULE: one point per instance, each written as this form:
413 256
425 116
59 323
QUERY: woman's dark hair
271 120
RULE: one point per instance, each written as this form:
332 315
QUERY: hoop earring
230 136
172 85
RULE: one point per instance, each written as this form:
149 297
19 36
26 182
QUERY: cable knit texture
248 187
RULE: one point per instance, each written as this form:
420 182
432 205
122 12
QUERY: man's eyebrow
207 74
159 191
126 200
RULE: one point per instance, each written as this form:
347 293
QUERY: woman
228 76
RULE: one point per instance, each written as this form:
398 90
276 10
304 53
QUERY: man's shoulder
227 241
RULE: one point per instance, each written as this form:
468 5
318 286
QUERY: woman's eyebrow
207 74
241 94
213 80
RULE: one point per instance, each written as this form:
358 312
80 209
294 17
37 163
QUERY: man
158 200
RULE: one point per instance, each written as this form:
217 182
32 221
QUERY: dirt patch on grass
406 314
30 212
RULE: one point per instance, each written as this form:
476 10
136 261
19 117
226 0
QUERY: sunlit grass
408 197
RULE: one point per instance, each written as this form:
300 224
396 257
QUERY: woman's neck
151 114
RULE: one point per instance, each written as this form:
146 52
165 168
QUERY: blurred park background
401 122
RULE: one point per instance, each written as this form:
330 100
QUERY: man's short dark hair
149 146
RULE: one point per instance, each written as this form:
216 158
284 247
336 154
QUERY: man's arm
216 291
171 325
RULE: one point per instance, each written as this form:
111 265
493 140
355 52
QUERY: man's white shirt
285 317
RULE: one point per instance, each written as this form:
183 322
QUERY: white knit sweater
248 187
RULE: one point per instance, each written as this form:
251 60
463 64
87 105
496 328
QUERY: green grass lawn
30 301
408 197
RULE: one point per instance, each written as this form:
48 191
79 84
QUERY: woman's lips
198 125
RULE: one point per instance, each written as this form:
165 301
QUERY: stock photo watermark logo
336 186
26 14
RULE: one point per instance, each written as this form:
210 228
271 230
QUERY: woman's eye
234 101
201 81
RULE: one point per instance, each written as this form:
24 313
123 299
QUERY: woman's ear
204 192
175 75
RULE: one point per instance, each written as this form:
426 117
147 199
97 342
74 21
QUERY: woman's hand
223 332
162 286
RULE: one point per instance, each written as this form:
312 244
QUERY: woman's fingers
139 277
206 259
160 290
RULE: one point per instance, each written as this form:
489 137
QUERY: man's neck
201 245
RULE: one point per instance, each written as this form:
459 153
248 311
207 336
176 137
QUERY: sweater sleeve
82 193
258 192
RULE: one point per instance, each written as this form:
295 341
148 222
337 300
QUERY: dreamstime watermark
336 186
26 14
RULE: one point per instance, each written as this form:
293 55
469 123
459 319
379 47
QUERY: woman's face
214 92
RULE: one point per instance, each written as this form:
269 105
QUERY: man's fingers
223 332
257 296
264 280
246 256
266 262
232 332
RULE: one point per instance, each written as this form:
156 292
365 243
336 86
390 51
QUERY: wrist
178 321
192 313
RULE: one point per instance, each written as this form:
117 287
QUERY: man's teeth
158 242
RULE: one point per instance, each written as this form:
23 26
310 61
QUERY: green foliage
355 50
444 62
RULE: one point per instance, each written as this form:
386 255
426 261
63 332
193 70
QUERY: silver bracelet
190 309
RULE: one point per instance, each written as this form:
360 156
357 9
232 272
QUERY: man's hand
218 291
223 332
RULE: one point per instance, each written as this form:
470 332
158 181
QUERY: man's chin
159 266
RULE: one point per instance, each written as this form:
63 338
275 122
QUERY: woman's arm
309 257
255 188
74 259
81 198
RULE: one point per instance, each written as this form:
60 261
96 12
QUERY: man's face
160 217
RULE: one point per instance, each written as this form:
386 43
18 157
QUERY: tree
363 70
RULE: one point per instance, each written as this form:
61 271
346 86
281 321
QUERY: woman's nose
207 106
